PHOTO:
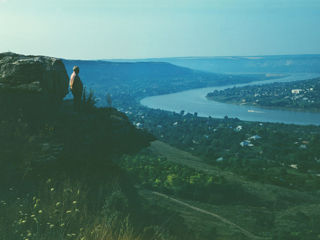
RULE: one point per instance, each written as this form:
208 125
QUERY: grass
203 226
59 211
279 216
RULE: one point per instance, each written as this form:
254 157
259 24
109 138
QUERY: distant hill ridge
128 71
246 64
149 78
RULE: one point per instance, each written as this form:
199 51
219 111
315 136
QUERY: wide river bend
195 101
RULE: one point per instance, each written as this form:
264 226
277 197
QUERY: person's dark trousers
76 100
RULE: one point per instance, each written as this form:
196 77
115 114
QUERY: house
220 159
255 137
238 128
296 91
295 166
246 143
303 146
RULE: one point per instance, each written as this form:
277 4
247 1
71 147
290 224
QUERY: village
300 95
255 150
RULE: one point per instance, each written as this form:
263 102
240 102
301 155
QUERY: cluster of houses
302 144
298 91
248 142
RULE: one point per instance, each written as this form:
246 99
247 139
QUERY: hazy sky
96 29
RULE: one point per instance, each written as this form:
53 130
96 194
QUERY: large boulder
41 74
31 82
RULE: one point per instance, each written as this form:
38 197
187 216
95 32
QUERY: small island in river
299 95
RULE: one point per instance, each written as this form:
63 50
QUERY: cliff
66 159
37 127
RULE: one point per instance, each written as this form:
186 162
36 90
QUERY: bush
88 100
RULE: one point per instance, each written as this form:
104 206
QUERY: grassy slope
248 217
76 191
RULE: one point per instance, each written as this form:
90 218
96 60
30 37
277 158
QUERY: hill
149 78
250 64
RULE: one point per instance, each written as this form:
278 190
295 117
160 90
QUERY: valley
152 173
268 172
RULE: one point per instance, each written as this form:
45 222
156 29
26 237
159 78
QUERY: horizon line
172 57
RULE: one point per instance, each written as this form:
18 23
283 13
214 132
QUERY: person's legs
76 100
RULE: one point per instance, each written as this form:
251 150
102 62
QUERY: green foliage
159 174
211 139
96 200
116 205
59 211
88 101
302 222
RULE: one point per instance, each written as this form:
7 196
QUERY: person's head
76 69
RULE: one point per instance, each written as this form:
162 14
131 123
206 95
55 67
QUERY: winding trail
245 232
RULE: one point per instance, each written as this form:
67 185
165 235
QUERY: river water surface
195 101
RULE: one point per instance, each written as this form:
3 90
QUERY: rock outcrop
41 74
31 82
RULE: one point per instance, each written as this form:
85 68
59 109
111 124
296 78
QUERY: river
195 101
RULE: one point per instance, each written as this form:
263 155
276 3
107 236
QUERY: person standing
76 88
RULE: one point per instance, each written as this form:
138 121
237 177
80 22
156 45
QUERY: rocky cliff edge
33 73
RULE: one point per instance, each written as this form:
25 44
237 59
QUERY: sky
109 29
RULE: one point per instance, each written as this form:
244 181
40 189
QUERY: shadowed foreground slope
59 177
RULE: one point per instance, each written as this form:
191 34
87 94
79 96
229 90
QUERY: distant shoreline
311 110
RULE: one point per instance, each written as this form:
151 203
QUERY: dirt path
245 232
